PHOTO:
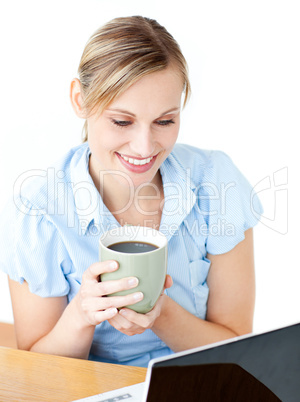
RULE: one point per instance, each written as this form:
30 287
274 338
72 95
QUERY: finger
118 322
99 268
101 316
103 303
168 282
109 287
125 326
141 320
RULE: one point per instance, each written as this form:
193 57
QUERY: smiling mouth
136 162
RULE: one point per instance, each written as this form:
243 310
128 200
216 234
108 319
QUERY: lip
135 157
136 168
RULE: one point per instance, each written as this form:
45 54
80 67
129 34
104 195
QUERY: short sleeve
228 204
31 249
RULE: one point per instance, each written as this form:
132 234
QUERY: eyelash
121 123
126 123
165 122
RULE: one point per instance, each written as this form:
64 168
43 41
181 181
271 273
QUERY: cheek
169 139
96 144
103 139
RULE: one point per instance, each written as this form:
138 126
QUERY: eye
121 123
165 122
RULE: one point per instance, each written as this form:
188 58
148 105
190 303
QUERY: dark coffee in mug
132 247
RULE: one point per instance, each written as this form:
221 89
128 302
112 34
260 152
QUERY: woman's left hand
131 323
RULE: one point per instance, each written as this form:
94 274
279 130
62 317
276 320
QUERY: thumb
168 282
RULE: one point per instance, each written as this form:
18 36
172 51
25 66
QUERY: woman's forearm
72 336
181 330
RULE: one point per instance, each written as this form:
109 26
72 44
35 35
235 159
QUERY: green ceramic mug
149 267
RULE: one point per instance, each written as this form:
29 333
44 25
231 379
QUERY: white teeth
137 161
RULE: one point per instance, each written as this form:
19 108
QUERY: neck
121 198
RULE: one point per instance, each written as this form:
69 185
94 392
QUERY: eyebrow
174 109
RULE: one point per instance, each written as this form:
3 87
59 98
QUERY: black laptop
259 368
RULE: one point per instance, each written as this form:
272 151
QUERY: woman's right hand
93 304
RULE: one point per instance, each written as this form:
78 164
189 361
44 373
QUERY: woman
128 170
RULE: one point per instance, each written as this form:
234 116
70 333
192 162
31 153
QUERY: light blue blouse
49 234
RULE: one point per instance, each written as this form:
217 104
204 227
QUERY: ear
76 98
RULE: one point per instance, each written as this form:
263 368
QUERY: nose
143 144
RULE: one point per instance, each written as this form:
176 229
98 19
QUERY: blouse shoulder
203 163
225 198
33 248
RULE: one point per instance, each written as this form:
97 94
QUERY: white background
244 68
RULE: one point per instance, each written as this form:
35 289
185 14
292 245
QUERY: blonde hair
120 53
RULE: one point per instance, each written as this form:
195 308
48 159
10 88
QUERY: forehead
153 93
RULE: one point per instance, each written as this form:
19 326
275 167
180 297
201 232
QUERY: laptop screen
262 367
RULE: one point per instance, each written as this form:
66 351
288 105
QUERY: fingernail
111 312
132 282
113 265
123 312
138 296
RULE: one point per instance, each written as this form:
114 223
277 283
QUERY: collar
88 203
179 194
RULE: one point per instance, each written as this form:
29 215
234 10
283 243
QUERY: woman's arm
51 325
230 304
48 325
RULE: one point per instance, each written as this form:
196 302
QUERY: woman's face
138 130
